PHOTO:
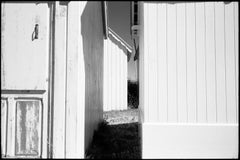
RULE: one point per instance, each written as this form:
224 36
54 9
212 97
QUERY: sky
119 22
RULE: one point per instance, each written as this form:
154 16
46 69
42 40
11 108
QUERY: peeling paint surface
23 56
2 44
3 126
28 128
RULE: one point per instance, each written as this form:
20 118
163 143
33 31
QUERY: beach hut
116 54
51 77
188 76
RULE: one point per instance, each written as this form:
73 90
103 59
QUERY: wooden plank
11 126
146 62
105 75
125 90
117 77
172 63
152 70
60 81
191 62
210 63
4 112
236 35
230 61
220 62
181 63
142 49
201 60
109 75
162 63
110 60
73 51
115 73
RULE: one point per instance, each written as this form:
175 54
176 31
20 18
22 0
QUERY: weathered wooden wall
24 79
78 74
115 73
66 61
189 75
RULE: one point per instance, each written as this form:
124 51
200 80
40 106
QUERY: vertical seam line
186 59
225 63
176 68
65 141
157 67
235 58
215 62
205 58
196 63
167 55
148 60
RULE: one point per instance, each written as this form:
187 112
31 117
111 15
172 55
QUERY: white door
25 52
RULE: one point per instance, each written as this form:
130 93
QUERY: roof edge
118 38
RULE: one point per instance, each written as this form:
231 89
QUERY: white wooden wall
68 53
189 74
78 77
190 62
24 79
115 74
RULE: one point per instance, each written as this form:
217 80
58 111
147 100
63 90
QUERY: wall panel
189 63
115 73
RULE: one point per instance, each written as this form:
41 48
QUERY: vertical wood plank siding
189 62
78 72
115 74
59 85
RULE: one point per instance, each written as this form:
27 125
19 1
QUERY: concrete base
189 140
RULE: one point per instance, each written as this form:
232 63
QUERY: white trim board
189 140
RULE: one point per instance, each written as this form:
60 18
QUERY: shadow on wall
92 38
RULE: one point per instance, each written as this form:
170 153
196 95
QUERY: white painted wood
152 63
210 63
25 67
72 81
4 111
181 63
196 77
236 52
90 73
162 63
78 74
141 66
79 46
201 60
115 75
191 62
172 63
60 81
11 126
18 25
146 61
220 62
174 140
193 36
230 60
